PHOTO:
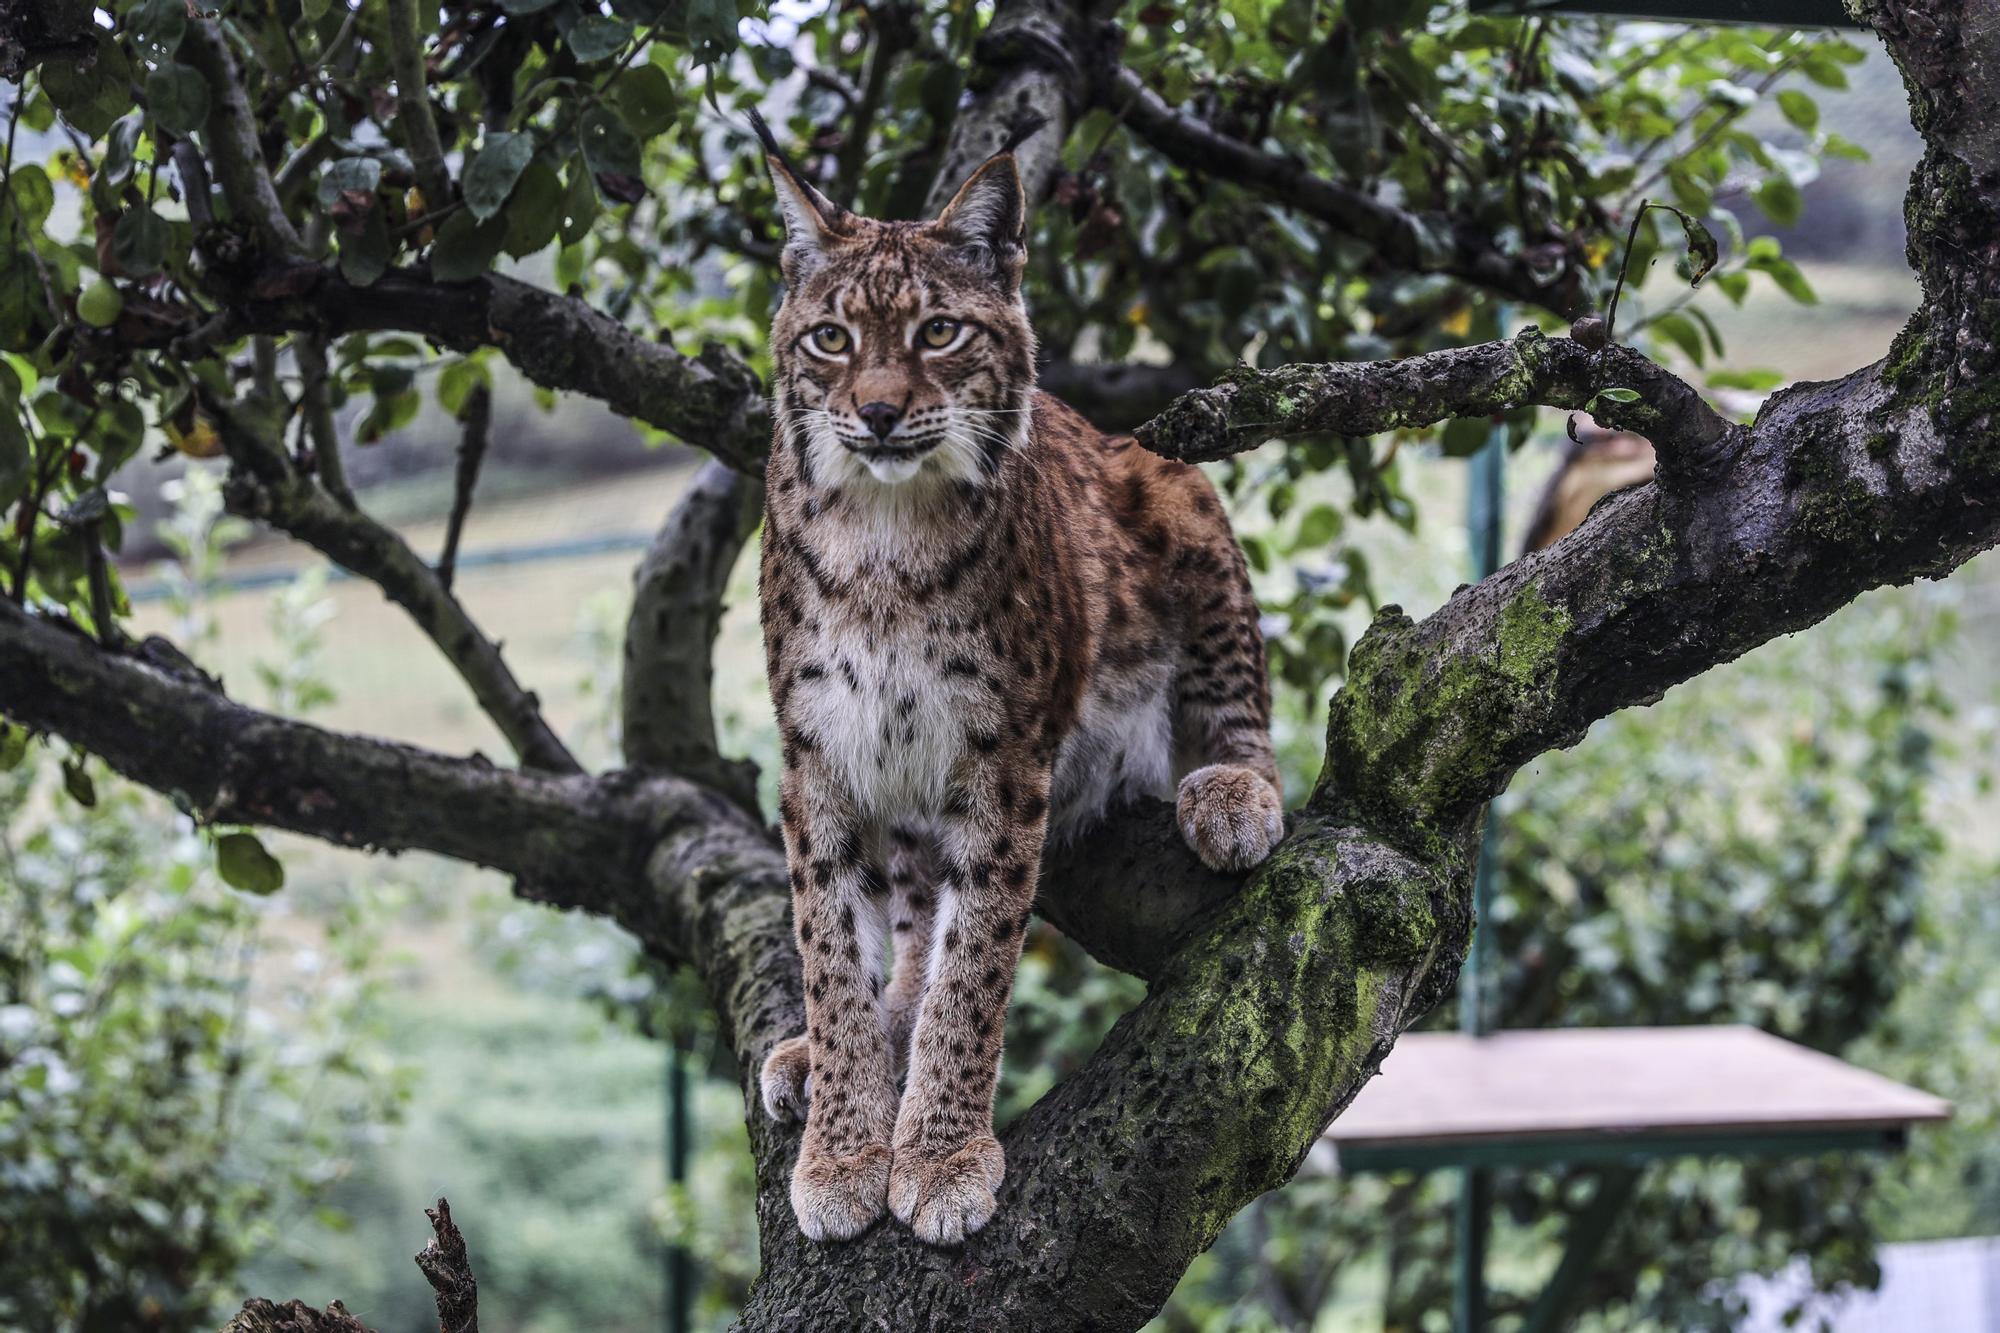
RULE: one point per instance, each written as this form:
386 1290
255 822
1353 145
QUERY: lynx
985 624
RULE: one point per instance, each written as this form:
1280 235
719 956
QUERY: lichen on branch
1248 407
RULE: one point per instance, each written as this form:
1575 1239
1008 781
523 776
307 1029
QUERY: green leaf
1733 285
608 143
1465 436
160 25
525 6
364 254
1823 68
1790 281
645 97
13 746
1781 201
139 241
363 174
595 37
1702 249
580 206
92 92
1321 524
244 864
1255 551
178 98
465 247
116 167
1800 109
76 781
1679 330
456 382
17 461
711 29
535 213
32 194
490 178
1757 381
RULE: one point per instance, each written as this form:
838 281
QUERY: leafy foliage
176 1093
156 1126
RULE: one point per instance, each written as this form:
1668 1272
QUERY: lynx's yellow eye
938 333
831 339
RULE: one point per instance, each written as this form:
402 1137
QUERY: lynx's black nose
881 418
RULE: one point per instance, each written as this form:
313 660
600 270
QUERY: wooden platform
1583 1094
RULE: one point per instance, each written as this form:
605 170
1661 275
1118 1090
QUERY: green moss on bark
1432 739
1284 994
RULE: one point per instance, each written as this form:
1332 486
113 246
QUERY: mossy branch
1247 408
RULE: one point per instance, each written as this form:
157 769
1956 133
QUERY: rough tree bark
1271 999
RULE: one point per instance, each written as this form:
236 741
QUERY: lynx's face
903 349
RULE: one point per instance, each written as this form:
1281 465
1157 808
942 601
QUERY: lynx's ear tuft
813 222
987 219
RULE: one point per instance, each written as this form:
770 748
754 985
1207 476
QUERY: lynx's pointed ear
813 222
987 219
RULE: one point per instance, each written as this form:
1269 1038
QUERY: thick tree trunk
1261 1028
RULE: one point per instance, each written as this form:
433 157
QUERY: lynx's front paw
839 1196
945 1199
1230 816
786 1080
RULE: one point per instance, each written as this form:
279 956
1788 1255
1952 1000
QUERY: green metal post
1585 1240
1474 1220
680 1271
1484 521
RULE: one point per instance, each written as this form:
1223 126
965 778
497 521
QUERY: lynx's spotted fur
985 623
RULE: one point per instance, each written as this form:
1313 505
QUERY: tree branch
1248 407
232 138
448 1268
476 420
413 104
169 728
444 1263
316 402
1119 396
1418 243
559 342
1840 487
1025 65
264 485
669 718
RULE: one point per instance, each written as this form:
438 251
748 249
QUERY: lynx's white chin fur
894 471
